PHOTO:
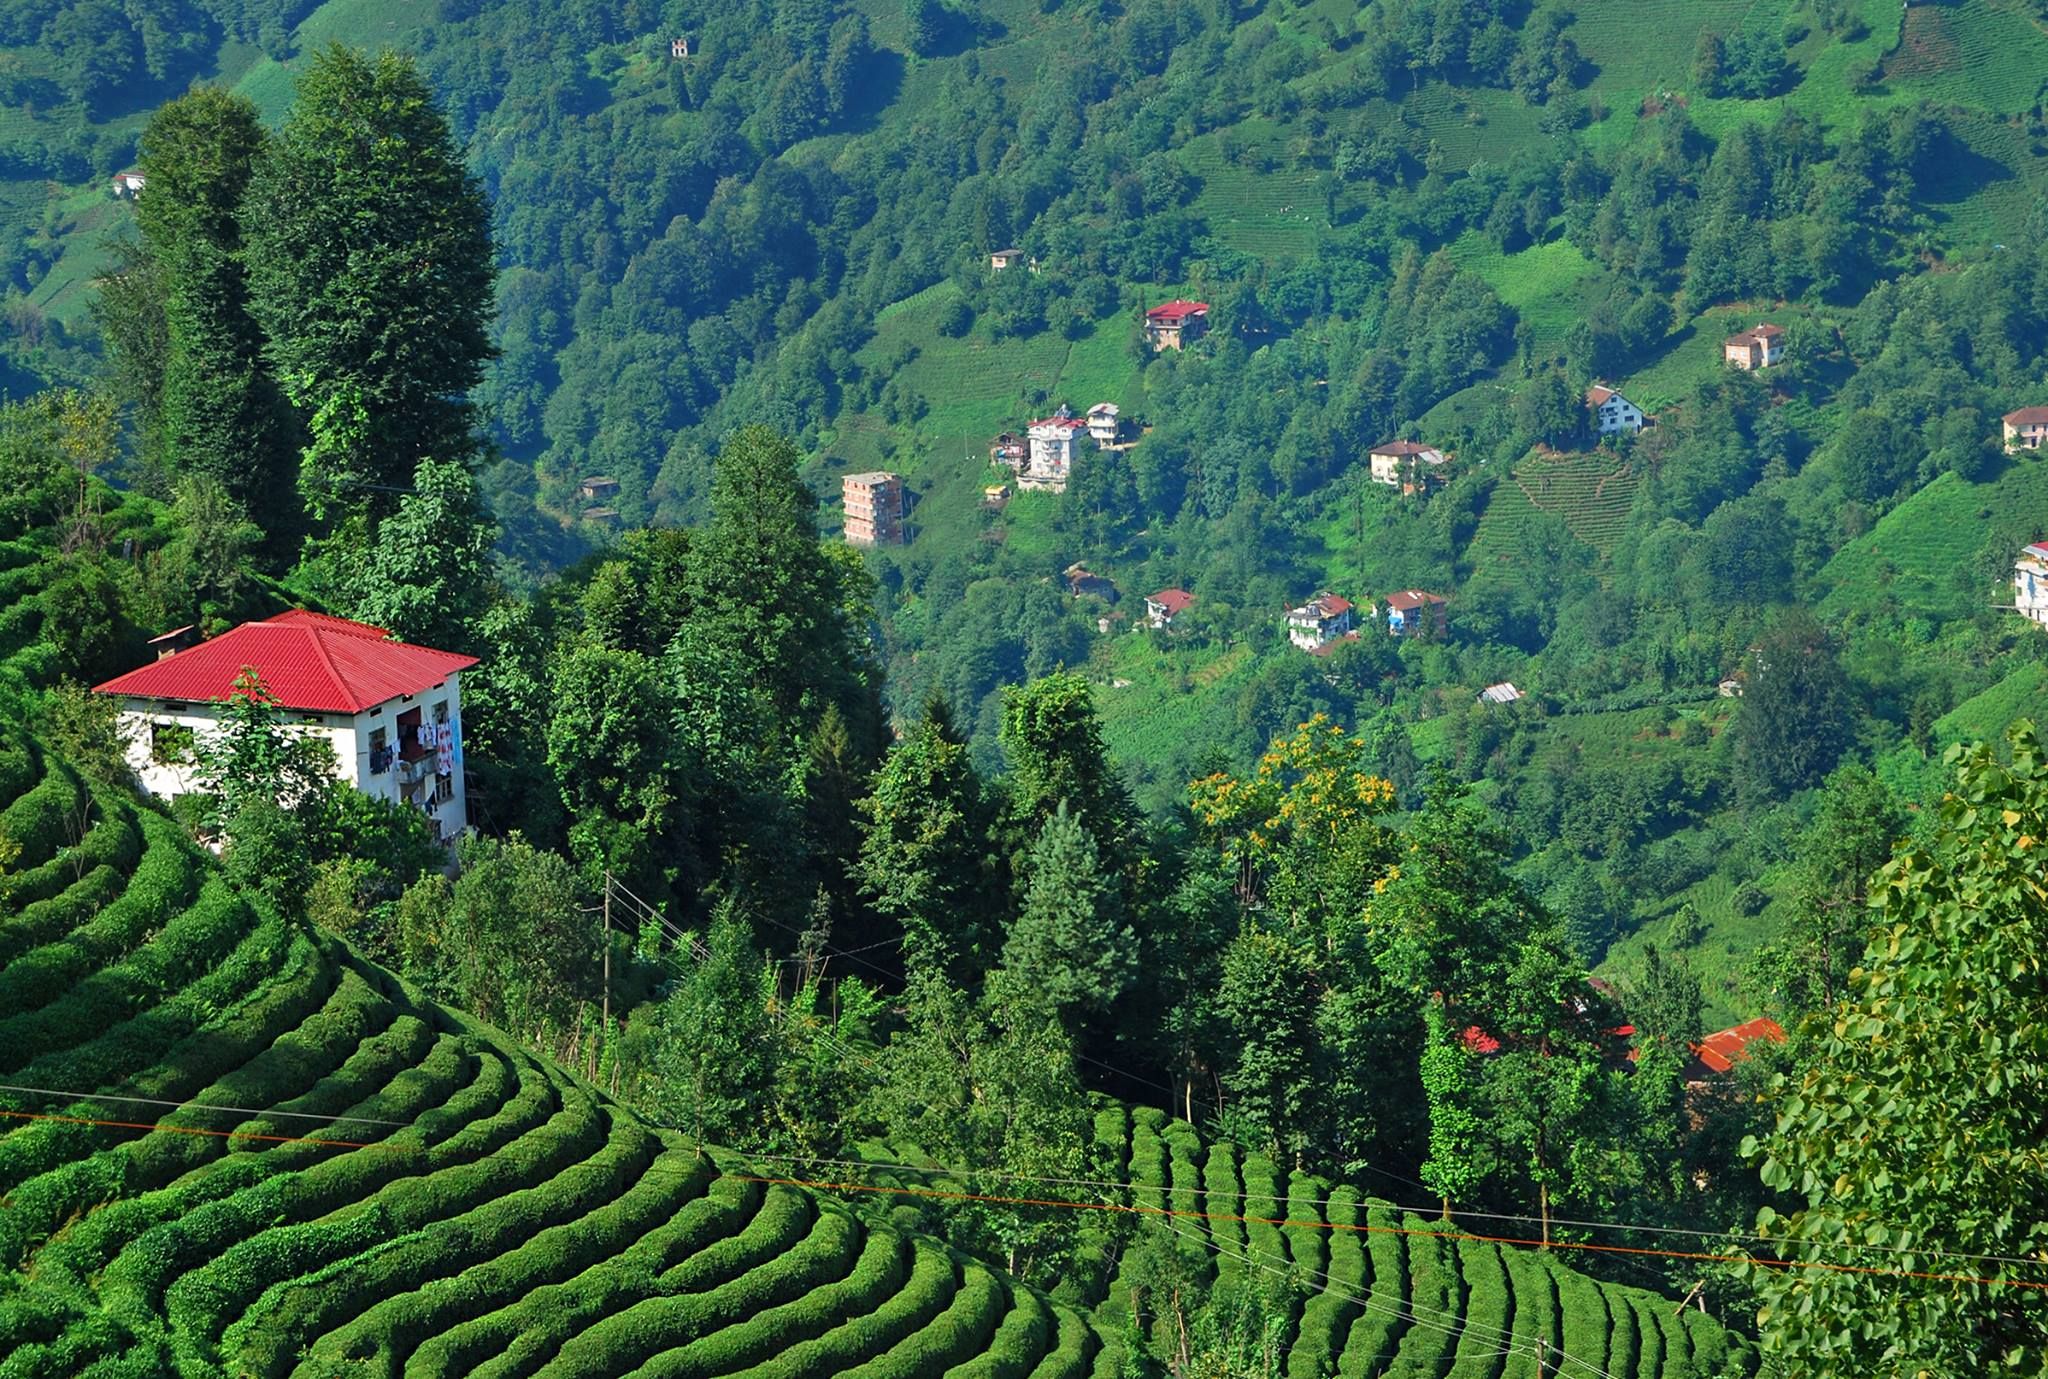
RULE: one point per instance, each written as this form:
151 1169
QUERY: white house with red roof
1324 619
1166 605
1054 441
390 711
1176 324
1613 413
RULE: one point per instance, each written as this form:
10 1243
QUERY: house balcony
413 770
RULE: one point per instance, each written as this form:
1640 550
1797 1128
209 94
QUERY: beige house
1409 466
1003 258
2026 429
1757 348
1176 324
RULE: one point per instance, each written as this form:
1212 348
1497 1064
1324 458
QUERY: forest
862 865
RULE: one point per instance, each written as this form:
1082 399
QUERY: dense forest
934 852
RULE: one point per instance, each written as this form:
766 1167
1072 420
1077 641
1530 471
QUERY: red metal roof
1177 310
308 661
1599 393
1174 601
1723 1049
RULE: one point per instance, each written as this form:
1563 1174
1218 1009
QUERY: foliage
1905 1128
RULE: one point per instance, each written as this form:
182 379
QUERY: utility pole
605 1021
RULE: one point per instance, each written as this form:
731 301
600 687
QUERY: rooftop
2028 416
1408 600
307 661
1723 1049
1173 600
1403 448
1177 310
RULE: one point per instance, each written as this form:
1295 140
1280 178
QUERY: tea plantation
255 1153
355 1181
1370 1289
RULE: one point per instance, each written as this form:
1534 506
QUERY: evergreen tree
1795 718
926 859
371 270
1052 741
218 411
428 575
1268 1001
1070 944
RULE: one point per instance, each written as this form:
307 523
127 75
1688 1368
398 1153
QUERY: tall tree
1796 716
1915 1123
428 575
1071 943
219 413
1052 741
371 269
926 858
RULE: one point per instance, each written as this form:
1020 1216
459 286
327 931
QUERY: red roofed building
1756 348
1323 619
1411 610
2026 429
1166 605
1176 324
1718 1053
391 711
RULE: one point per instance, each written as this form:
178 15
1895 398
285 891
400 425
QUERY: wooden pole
1543 1196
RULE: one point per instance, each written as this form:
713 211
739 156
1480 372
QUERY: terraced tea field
1588 491
261 1155
1381 1291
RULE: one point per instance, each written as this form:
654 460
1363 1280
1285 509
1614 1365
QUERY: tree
1547 410
1070 944
1267 1001
370 270
1795 714
924 26
1052 741
219 411
714 1054
926 857
610 745
427 576
255 758
1915 1120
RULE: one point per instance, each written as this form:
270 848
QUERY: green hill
353 1180
386 1185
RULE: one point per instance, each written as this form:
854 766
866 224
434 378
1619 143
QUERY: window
170 744
441 712
380 751
444 789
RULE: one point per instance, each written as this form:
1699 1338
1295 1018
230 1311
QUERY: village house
1166 605
679 48
129 182
1716 1055
2030 583
603 517
2026 429
1323 619
1613 413
1103 423
996 497
1009 449
1003 258
597 488
1409 466
391 711
873 504
1502 693
1082 580
1176 324
1411 610
1756 348
1054 441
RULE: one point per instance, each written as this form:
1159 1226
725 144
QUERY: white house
2026 429
1054 440
2030 583
1613 413
1166 605
1502 693
1323 619
1759 347
129 182
391 711
1102 423
1409 466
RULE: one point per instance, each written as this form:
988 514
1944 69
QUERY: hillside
388 1186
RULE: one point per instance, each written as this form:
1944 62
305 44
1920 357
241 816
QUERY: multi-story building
1054 442
1411 611
1176 324
1409 466
1613 413
391 712
873 504
1756 348
1323 619
1103 421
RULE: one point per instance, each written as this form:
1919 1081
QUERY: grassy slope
490 1213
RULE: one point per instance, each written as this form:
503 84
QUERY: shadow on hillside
881 78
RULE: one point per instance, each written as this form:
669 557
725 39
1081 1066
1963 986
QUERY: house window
380 751
444 789
171 744
441 712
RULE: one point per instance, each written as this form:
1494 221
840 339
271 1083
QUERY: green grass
1273 212
1546 284
490 1213
1929 555
1986 55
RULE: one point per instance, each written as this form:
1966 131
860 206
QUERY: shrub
1486 1315
1584 1324
1019 1343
